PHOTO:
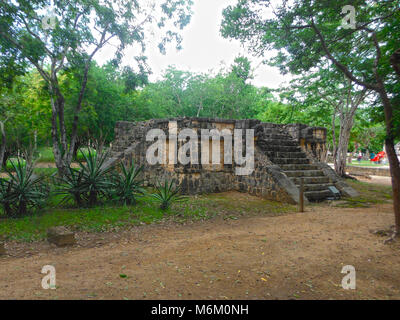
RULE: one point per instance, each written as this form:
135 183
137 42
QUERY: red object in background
379 156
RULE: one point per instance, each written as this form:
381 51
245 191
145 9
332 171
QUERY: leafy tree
224 95
327 88
83 27
308 34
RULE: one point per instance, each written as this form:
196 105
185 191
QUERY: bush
166 194
22 190
127 186
9 163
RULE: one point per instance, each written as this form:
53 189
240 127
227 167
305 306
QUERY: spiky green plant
166 193
127 185
70 185
86 184
96 176
22 190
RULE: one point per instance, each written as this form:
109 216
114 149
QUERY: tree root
391 233
346 176
392 238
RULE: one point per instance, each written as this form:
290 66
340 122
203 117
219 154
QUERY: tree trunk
341 158
334 145
3 143
58 154
347 114
5 158
395 61
392 157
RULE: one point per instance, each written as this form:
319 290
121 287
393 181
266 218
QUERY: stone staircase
285 152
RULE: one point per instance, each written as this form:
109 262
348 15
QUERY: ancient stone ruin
283 155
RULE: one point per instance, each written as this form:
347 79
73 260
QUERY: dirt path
53 165
296 256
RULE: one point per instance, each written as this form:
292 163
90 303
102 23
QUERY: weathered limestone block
61 236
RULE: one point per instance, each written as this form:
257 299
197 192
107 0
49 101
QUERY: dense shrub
9 163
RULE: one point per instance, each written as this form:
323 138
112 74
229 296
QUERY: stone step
314 187
277 136
290 161
304 173
273 155
318 195
297 167
276 148
278 142
311 180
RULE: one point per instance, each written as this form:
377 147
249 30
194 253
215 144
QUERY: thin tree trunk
334 145
342 148
395 61
3 143
392 157
58 156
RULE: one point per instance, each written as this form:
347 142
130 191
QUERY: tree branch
340 66
65 51
43 73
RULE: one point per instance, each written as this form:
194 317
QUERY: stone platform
284 155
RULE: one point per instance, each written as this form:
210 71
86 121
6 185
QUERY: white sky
205 49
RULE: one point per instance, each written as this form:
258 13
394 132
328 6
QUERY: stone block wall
311 139
267 179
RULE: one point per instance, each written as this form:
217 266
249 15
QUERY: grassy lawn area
365 163
46 154
45 171
113 218
370 194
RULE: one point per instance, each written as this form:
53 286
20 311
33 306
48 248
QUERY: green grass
45 171
46 154
365 163
114 218
15 161
370 194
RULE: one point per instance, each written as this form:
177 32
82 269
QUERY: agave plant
70 185
167 193
22 189
96 176
127 186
